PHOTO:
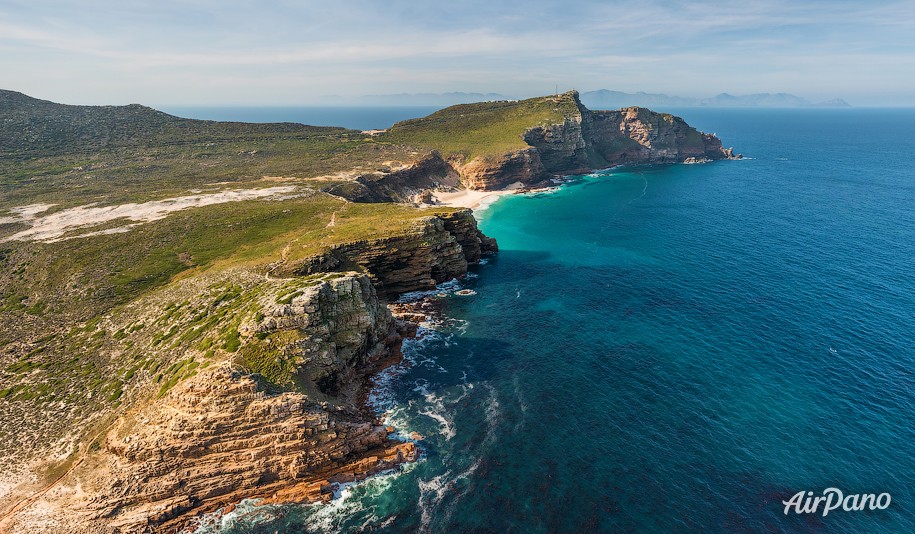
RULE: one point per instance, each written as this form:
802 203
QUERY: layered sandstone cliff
590 140
405 184
282 415
563 137
438 248
497 172
227 434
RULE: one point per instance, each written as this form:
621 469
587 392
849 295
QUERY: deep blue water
672 349
354 117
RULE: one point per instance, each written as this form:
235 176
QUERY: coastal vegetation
236 257
482 129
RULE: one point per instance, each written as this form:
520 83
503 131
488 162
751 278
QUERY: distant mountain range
606 99
600 99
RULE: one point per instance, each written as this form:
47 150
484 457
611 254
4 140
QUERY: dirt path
31 499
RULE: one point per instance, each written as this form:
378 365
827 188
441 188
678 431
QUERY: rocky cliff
590 140
639 135
278 413
227 434
493 145
281 418
405 184
497 172
436 249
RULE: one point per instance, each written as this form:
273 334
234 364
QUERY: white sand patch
470 198
24 213
52 227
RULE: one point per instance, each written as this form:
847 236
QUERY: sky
269 52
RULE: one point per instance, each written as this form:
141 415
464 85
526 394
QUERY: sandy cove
473 199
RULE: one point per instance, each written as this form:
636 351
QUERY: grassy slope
88 321
72 155
484 129
91 322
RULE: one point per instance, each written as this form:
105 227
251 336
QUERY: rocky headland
156 367
283 417
575 140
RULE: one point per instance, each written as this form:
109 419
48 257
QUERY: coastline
421 314
429 252
472 198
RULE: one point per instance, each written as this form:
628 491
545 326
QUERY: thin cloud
96 52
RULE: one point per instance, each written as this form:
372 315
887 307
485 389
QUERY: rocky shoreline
224 435
586 141
251 381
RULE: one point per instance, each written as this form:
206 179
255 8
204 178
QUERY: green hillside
486 128
74 155
33 127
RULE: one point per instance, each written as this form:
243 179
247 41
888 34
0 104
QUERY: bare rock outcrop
339 327
400 185
438 248
218 438
639 135
497 172
239 429
629 136
561 146
463 226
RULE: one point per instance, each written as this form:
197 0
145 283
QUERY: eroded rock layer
584 141
400 185
281 416
219 438
497 172
437 249
592 140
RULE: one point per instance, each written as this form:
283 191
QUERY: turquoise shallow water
671 349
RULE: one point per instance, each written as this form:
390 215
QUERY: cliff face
490 172
437 249
282 415
639 135
587 140
219 436
463 226
598 139
338 325
564 146
401 185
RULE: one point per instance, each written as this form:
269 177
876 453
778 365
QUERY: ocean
674 348
353 117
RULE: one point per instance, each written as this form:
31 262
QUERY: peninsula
191 310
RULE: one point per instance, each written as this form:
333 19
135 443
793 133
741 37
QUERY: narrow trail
31 499
83 451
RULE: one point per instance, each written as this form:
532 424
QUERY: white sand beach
473 199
